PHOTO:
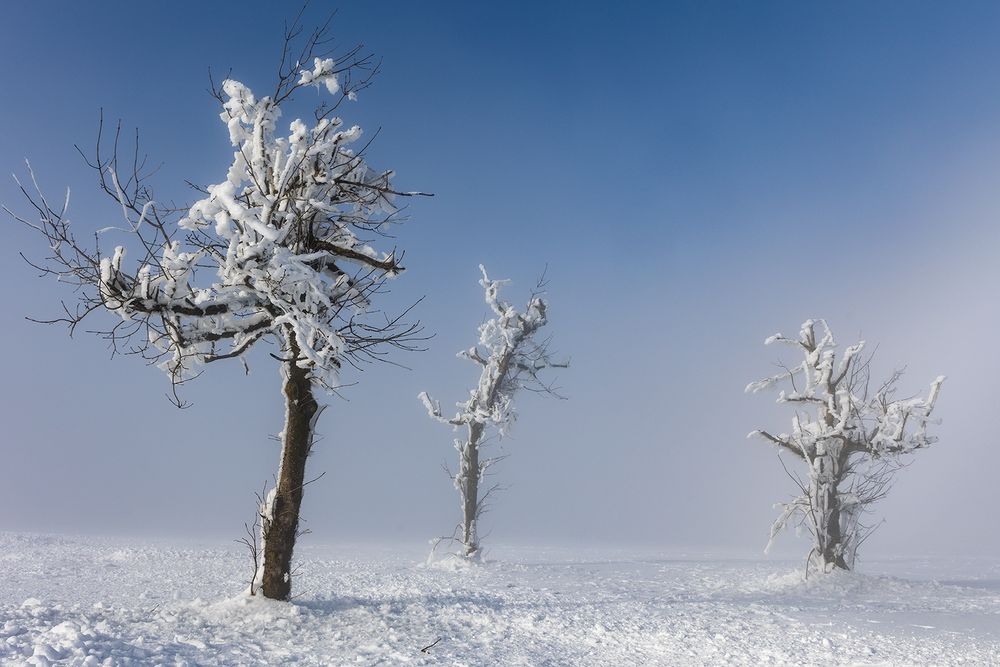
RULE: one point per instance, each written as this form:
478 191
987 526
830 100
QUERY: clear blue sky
696 175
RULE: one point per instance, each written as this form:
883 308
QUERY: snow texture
76 601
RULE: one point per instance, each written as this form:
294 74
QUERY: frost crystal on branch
852 440
510 358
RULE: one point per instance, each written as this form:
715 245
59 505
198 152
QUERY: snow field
85 601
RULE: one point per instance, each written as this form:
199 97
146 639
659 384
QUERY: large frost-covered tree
276 252
510 356
851 436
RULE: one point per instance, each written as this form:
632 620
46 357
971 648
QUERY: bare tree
852 440
510 358
278 252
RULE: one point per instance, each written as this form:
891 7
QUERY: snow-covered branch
275 248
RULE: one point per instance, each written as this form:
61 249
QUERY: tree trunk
469 472
833 552
281 522
825 475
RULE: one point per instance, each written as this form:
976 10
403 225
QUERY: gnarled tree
277 252
510 358
850 438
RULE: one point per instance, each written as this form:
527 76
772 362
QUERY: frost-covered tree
852 439
510 356
277 252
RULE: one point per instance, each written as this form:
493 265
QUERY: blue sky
695 175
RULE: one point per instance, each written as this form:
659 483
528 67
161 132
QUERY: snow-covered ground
85 601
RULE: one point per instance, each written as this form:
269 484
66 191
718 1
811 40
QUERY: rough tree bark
469 474
826 473
281 523
832 554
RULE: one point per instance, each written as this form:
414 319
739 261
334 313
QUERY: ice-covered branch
434 410
781 441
